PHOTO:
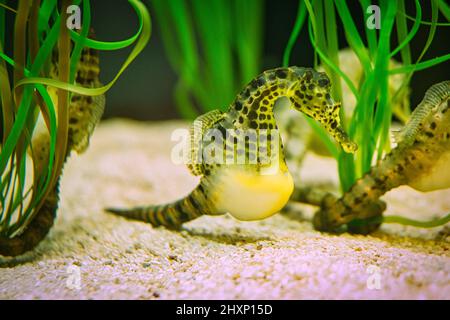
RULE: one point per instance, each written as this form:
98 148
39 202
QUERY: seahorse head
310 94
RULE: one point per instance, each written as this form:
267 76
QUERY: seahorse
84 114
241 162
421 160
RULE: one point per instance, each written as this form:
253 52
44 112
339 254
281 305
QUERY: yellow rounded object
248 195
438 177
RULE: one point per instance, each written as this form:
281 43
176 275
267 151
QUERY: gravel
90 254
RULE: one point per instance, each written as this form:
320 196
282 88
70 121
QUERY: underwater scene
224 150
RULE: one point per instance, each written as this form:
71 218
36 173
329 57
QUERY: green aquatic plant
369 124
40 28
214 47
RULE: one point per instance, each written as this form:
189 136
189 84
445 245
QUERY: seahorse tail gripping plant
49 108
421 160
369 120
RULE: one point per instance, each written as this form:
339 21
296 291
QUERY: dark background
144 91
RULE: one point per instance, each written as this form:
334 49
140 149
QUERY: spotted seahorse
421 160
247 176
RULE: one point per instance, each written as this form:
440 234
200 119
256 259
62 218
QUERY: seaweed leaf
40 24
214 47
299 21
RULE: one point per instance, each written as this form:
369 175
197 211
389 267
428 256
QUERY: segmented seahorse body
421 160
84 114
434 174
242 165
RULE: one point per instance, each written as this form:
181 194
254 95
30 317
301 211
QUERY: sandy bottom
90 254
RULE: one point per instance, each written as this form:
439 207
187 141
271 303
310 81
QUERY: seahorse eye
308 75
324 82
